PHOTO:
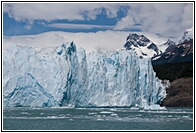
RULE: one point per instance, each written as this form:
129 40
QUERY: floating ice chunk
100 119
93 113
113 109
25 113
114 114
134 108
105 112
154 107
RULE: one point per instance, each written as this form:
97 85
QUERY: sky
168 20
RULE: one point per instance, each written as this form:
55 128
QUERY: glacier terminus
68 76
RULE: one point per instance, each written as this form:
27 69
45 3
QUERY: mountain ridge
167 52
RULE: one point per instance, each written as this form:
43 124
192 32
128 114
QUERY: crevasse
65 75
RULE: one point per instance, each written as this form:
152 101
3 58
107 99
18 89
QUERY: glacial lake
97 119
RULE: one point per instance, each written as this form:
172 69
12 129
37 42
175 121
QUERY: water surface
97 119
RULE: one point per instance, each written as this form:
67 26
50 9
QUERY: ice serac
49 67
120 78
152 89
112 78
65 75
26 91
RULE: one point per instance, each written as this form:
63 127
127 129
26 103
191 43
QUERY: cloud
110 40
166 19
55 11
78 26
103 39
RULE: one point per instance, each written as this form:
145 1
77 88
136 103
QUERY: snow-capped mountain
143 47
165 47
177 53
169 43
65 75
188 34
170 47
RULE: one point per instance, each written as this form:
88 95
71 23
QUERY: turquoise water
97 119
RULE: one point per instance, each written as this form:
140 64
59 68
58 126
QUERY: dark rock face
153 47
180 93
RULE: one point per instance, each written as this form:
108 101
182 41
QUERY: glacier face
48 67
64 76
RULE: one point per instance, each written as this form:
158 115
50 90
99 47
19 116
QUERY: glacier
67 76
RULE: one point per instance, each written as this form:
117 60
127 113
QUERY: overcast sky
168 20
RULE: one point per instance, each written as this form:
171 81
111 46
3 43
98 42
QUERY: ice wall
64 76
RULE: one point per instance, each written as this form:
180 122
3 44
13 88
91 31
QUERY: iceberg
67 76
